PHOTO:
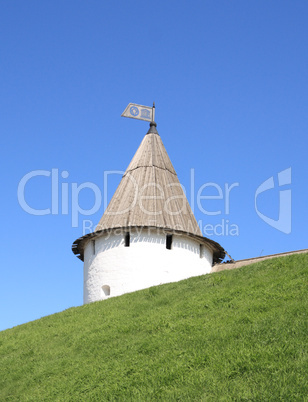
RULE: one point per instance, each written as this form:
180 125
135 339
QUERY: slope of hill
237 334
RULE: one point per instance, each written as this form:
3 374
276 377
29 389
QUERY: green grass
232 335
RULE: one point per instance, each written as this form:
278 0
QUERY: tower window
106 290
201 250
93 247
168 242
127 240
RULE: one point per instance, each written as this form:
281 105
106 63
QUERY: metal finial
152 129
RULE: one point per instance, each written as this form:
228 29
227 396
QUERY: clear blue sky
230 84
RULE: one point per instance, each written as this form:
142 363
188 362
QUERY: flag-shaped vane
139 112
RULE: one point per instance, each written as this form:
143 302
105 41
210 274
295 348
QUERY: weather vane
140 112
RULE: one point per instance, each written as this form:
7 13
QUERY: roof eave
79 244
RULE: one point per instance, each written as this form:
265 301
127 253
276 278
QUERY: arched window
106 290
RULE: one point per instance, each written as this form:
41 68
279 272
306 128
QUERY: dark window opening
106 290
201 250
93 246
127 239
168 242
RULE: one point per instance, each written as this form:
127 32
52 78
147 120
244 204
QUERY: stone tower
148 234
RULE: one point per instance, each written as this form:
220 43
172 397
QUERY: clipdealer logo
65 200
283 223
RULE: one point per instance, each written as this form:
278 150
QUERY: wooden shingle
150 193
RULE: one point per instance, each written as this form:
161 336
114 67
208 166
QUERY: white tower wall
111 269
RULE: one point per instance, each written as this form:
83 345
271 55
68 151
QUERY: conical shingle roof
150 193
150 196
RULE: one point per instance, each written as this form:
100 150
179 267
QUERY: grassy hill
233 335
